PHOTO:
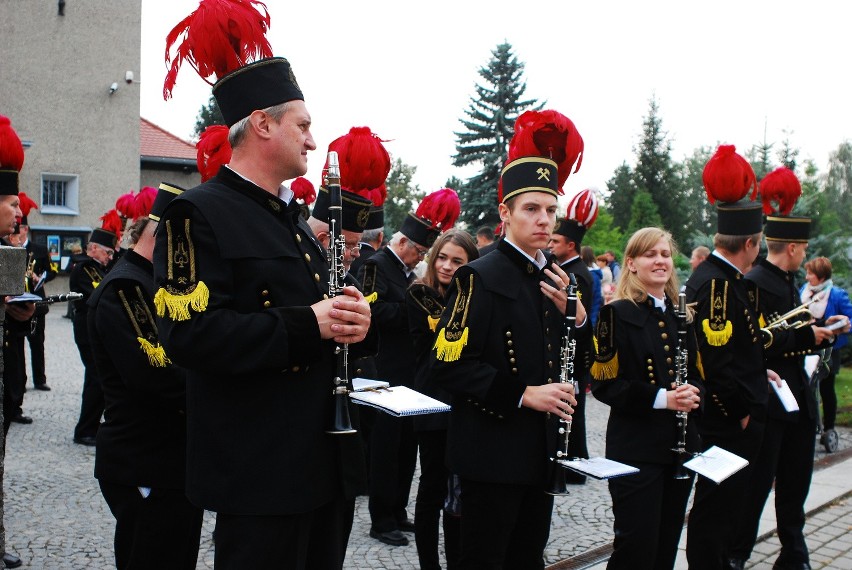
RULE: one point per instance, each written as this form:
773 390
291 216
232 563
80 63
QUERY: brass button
671 372
546 330
295 369
359 372
308 257
325 296
650 361
512 360
511 352
550 380
549 346
547 313
514 370
265 293
508 334
650 368
267 304
668 360
664 336
299 238
316 277
510 343
653 382
666 347
550 364
661 324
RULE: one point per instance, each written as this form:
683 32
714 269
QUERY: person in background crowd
437 488
640 339
699 254
587 254
832 301
607 282
484 237
613 265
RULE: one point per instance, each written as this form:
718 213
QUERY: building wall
182 178
55 74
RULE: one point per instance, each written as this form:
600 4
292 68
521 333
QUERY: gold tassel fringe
178 306
449 350
605 370
372 297
433 322
717 338
156 354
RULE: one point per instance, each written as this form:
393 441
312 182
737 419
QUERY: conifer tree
209 114
620 192
488 127
403 196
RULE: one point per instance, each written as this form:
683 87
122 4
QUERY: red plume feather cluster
552 135
214 151
364 163
112 222
782 187
26 203
126 205
728 176
303 190
219 37
441 208
144 200
11 149
583 208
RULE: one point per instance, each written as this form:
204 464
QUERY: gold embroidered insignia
717 328
453 337
429 301
182 291
370 293
144 326
605 366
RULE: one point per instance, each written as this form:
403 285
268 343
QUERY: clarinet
341 422
61 298
568 350
681 364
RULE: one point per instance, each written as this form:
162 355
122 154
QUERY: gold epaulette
429 301
182 290
370 293
605 366
717 328
453 337
142 321
433 322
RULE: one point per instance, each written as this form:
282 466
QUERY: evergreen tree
620 191
209 114
603 235
402 198
644 213
489 125
699 215
787 155
655 173
759 156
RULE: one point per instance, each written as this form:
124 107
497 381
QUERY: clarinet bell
341 422
557 484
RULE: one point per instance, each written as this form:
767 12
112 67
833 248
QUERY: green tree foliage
604 235
620 191
209 114
488 127
698 214
656 174
644 213
403 196
760 158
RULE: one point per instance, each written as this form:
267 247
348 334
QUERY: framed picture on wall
53 248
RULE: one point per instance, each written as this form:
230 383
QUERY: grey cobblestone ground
57 519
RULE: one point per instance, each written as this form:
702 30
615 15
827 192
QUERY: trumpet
794 319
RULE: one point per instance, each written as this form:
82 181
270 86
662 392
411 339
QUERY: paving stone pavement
56 517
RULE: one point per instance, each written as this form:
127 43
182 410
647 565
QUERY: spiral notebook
599 467
399 401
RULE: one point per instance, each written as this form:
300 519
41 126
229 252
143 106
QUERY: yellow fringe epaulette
433 322
605 366
761 321
156 354
605 370
450 350
372 297
453 337
95 284
717 337
177 306
717 328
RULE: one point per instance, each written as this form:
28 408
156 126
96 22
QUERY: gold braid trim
156 354
372 297
605 370
448 346
717 328
433 322
178 306
699 365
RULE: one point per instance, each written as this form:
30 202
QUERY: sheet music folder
599 467
394 400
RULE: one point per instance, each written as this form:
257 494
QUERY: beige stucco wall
185 180
55 74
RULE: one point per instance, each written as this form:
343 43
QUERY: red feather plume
782 187
11 149
112 222
126 205
303 190
144 200
26 203
220 36
441 208
552 135
583 208
364 163
728 176
213 151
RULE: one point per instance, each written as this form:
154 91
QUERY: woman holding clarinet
646 371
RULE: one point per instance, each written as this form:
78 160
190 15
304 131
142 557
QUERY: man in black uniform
85 277
787 452
371 239
251 322
140 461
564 244
731 351
497 353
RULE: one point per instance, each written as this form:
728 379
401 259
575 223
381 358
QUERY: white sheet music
599 467
788 400
716 464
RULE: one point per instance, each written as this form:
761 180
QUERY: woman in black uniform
636 374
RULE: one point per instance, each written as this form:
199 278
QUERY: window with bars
59 194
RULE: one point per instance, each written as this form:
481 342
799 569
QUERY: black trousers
36 342
306 541
92 400
431 494
716 509
786 458
504 526
649 509
393 458
160 531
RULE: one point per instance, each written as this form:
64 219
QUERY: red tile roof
156 141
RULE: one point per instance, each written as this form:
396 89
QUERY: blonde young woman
634 373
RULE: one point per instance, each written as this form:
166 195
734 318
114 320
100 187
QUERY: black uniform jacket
39 258
85 277
142 441
384 280
259 377
498 335
585 354
364 254
785 350
730 343
637 356
425 306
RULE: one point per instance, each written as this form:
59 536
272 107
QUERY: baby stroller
819 366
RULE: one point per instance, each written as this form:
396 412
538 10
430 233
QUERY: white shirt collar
723 258
539 258
659 303
284 193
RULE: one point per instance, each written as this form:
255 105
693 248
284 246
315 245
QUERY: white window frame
72 194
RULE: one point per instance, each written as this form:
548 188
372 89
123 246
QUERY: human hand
345 318
683 398
556 398
773 376
20 311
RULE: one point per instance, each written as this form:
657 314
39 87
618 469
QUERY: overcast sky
722 72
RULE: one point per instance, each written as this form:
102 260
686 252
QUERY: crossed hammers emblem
543 173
